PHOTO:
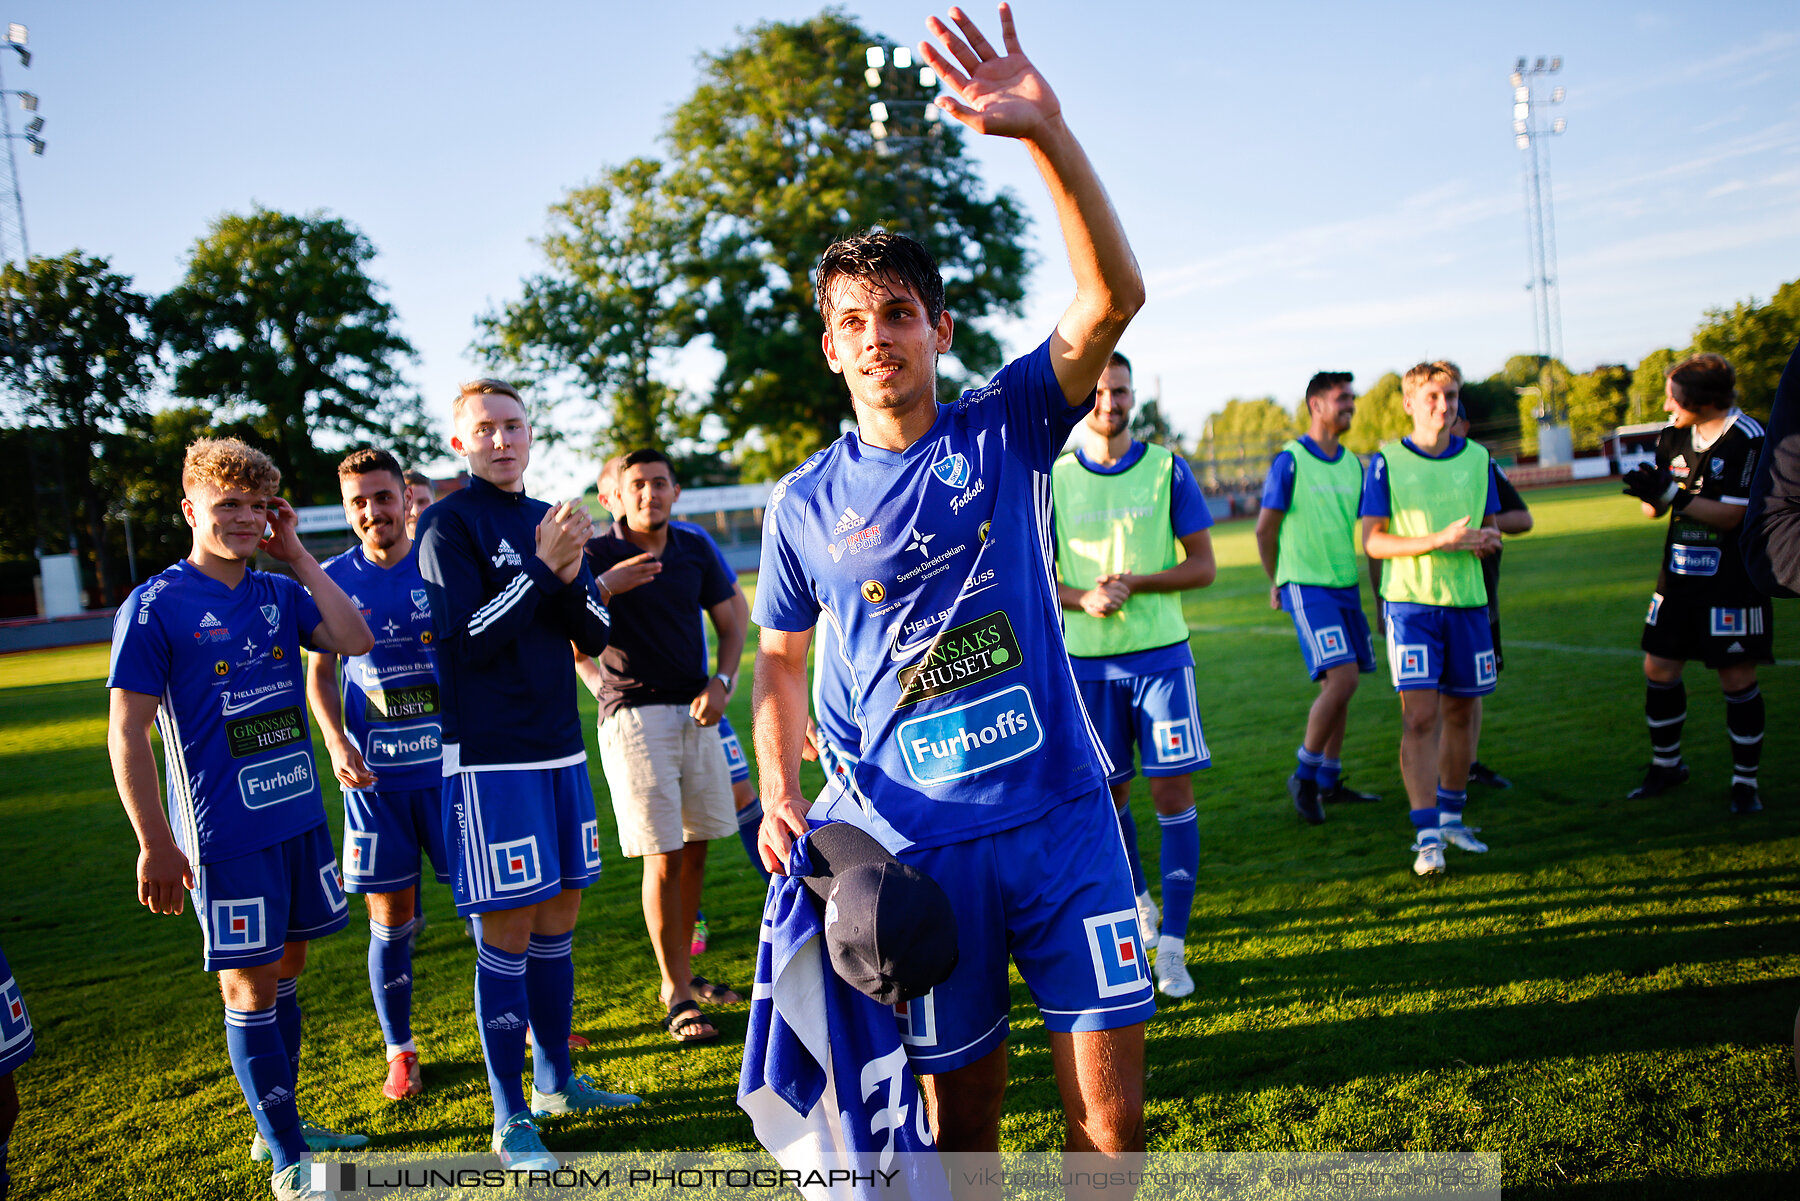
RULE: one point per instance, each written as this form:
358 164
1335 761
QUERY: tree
1380 417
1536 381
80 357
277 322
1757 338
610 300
1644 399
1598 403
1238 442
1149 424
769 161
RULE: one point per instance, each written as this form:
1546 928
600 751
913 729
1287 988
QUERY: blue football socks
1329 772
1450 803
1180 866
501 1015
287 1020
749 820
1308 768
259 1060
550 995
1425 819
390 980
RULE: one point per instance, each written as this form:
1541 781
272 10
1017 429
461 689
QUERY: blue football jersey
934 567
226 665
833 698
392 710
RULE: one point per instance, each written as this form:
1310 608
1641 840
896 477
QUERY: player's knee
967 1119
1419 720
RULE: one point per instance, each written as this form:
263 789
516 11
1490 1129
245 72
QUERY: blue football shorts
1056 894
384 833
1331 627
1158 713
734 753
250 907
16 1042
519 837
1441 649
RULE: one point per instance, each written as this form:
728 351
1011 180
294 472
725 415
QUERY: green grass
1606 999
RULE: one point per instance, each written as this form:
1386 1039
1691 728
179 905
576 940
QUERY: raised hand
1004 95
560 537
283 542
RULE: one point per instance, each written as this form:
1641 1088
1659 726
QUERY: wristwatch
725 680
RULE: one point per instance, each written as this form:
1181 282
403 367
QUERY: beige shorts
668 777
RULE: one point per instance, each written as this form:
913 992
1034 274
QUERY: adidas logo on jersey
506 1021
209 622
505 556
849 521
275 1096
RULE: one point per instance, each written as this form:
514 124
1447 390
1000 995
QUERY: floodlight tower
1530 98
893 101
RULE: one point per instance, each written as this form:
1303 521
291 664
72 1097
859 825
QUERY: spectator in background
659 706
419 495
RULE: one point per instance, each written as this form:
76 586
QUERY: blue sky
1307 185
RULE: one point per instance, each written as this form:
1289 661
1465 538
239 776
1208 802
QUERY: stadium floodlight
902 57
35 125
1556 95
1539 65
15 34
1521 93
1518 127
1558 125
876 57
37 144
879 129
28 101
927 77
1523 141
1556 64
1519 68
1515 78
1521 111
878 111
872 77
933 113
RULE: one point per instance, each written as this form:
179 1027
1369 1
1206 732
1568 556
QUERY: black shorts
1740 630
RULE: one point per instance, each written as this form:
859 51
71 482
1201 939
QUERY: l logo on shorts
1174 740
1330 641
15 1022
1655 607
239 925
917 1019
332 885
1728 623
515 864
1119 967
359 852
1412 661
1484 669
590 843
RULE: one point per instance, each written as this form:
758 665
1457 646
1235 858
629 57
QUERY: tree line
278 334
1235 445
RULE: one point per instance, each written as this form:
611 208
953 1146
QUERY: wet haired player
977 763
1705 606
508 593
381 726
209 651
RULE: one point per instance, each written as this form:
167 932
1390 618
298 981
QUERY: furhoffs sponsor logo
972 738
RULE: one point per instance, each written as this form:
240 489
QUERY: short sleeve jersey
1375 499
833 698
657 655
225 665
1699 561
393 712
935 567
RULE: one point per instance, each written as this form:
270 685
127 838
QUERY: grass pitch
1606 998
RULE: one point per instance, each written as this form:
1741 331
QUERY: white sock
397 1049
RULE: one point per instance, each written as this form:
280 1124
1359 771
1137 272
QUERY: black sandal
683 1017
714 994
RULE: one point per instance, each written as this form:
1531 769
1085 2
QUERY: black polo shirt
657 655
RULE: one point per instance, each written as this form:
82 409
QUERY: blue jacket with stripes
503 624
